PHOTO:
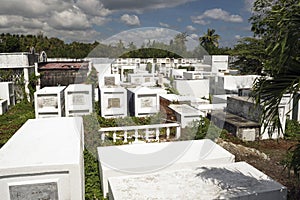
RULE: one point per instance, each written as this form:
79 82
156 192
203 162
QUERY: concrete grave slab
230 181
123 160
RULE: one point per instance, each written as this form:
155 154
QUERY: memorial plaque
137 81
114 103
40 191
78 99
109 80
146 102
47 102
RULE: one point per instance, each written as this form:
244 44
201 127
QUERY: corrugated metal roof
64 65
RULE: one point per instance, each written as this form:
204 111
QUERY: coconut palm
210 39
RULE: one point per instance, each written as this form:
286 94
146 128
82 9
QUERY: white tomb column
78 100
49 102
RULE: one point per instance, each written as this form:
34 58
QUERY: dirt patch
266 156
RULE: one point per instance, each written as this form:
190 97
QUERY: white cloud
194 36
93 7
237 37
199 20
191 28
131 20
7 21
65 19
142 36
164 25
216 14
71 19
140 6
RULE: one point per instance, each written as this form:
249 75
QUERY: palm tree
279 27
210 38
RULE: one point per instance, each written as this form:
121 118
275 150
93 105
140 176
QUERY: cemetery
140 149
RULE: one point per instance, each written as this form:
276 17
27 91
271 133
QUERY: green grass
11 121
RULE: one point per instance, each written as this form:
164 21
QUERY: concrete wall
196 88
243 107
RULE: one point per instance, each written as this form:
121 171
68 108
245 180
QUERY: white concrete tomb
78 100
44 160
49 102
113 102
144 158
186 114
143 101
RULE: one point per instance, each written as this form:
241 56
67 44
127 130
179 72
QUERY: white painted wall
3 106
7 92
196 88
219 63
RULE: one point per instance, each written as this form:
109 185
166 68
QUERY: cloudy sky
90 20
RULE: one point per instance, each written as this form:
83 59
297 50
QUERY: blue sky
90 20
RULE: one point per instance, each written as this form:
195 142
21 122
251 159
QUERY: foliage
292 130
277 22
210 41
200 129
53 46
93 77
11 121
149 67
251 55
33 82
92 178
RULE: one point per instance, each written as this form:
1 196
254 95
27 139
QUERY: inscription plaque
78 99
114 103
40 191
47 102
109 80
146 102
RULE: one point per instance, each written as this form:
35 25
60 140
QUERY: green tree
210 41
251 55
278 23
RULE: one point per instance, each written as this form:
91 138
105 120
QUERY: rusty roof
63 65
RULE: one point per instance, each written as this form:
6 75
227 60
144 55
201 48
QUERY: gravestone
78 100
